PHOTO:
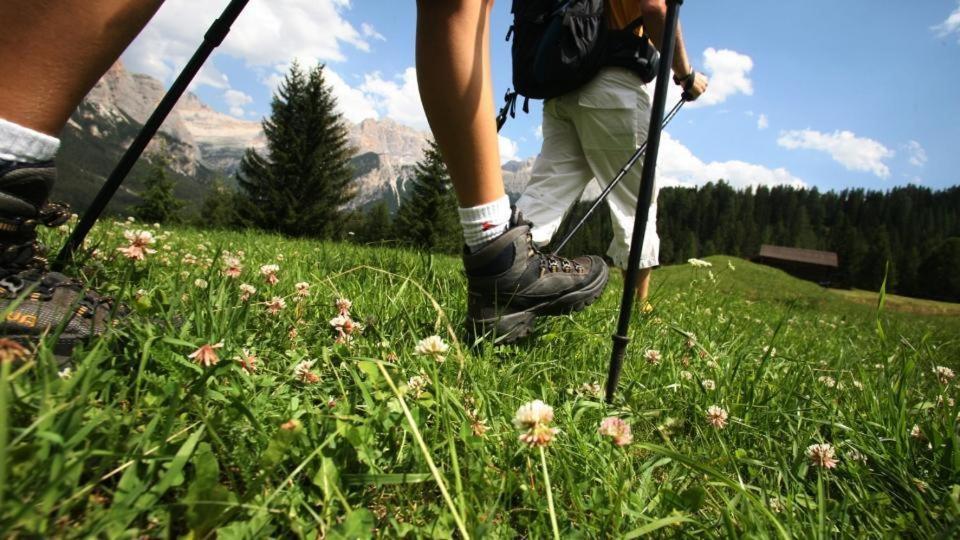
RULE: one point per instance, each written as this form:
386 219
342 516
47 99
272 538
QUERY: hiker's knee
650 7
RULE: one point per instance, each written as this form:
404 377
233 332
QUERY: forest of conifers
914 228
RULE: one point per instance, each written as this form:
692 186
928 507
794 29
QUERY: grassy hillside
370 438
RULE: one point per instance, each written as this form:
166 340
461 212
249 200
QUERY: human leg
560 174
53 52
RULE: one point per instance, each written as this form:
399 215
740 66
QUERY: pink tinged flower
246 291
269 272
822 455
275 304
432 346
232 267
206 355
302 372
344 327
652 356
717 417
140 242
533 420
616 429
944 374
343 306
303 289
248 362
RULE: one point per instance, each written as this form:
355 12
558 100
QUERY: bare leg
453 72
54 51
643 284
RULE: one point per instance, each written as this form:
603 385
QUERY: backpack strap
636 23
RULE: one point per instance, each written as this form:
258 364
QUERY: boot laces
552 263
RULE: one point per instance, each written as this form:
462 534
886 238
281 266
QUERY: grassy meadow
299 430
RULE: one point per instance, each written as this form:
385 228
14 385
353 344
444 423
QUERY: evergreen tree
219 208
377 225
427 217
158 203
299 187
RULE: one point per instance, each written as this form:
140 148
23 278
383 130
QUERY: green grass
140 440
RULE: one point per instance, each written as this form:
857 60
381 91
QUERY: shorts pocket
608 110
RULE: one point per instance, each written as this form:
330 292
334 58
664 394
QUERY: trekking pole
211 40
620 339
616 180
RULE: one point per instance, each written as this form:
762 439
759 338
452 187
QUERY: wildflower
652 356
417 384
292 334
65 373
291 425
477 424
917 433
944 374
303 289
775 504
699 263
822 455
686 375
269 272
858 385
949 401
130 219
647 307
206 355
275 304
248 362
691 341
200 283
246 291
432 346
11 351
717 417
189 259
140 242
617 429
827 381
591 389
533 419
856 455
231 266
343 306
771 351
731 266
344 327
708 384
302 372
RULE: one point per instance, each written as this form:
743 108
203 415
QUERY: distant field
371 438
901 303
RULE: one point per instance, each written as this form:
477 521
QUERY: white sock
18 143
483 223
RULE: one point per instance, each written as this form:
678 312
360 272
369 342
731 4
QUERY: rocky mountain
201 144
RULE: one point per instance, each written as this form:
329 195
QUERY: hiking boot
33 300
510 283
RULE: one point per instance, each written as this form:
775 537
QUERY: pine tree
158 203
427 217
299 187
219 209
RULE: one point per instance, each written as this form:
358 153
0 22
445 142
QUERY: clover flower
275 304
231 266
616 429
269 272
822 455
200 283
417 385
248 362
652 356
246 291
343 306
344 327
302 372
478 425
206 355
139 248
944 374
717 417
303 289
11 351
699 263
708 384
917 433
432 346
533 420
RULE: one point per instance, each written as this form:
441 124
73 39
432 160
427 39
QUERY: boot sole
511 327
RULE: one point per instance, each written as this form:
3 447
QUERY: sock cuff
19 143
486 212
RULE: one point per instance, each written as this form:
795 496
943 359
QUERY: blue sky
859 93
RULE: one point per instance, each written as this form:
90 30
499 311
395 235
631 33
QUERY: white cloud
854 153
678 166
918 156
351 102
371 32
949 26
236 100
397 98
729 75
538 132
509 149
762 122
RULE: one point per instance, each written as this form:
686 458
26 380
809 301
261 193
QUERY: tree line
302 184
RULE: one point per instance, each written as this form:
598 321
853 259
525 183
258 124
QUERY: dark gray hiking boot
34 301
510 283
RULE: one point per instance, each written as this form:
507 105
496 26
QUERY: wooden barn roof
809 256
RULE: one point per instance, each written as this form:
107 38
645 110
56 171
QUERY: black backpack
560 45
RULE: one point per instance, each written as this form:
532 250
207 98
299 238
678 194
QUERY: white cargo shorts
591 133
